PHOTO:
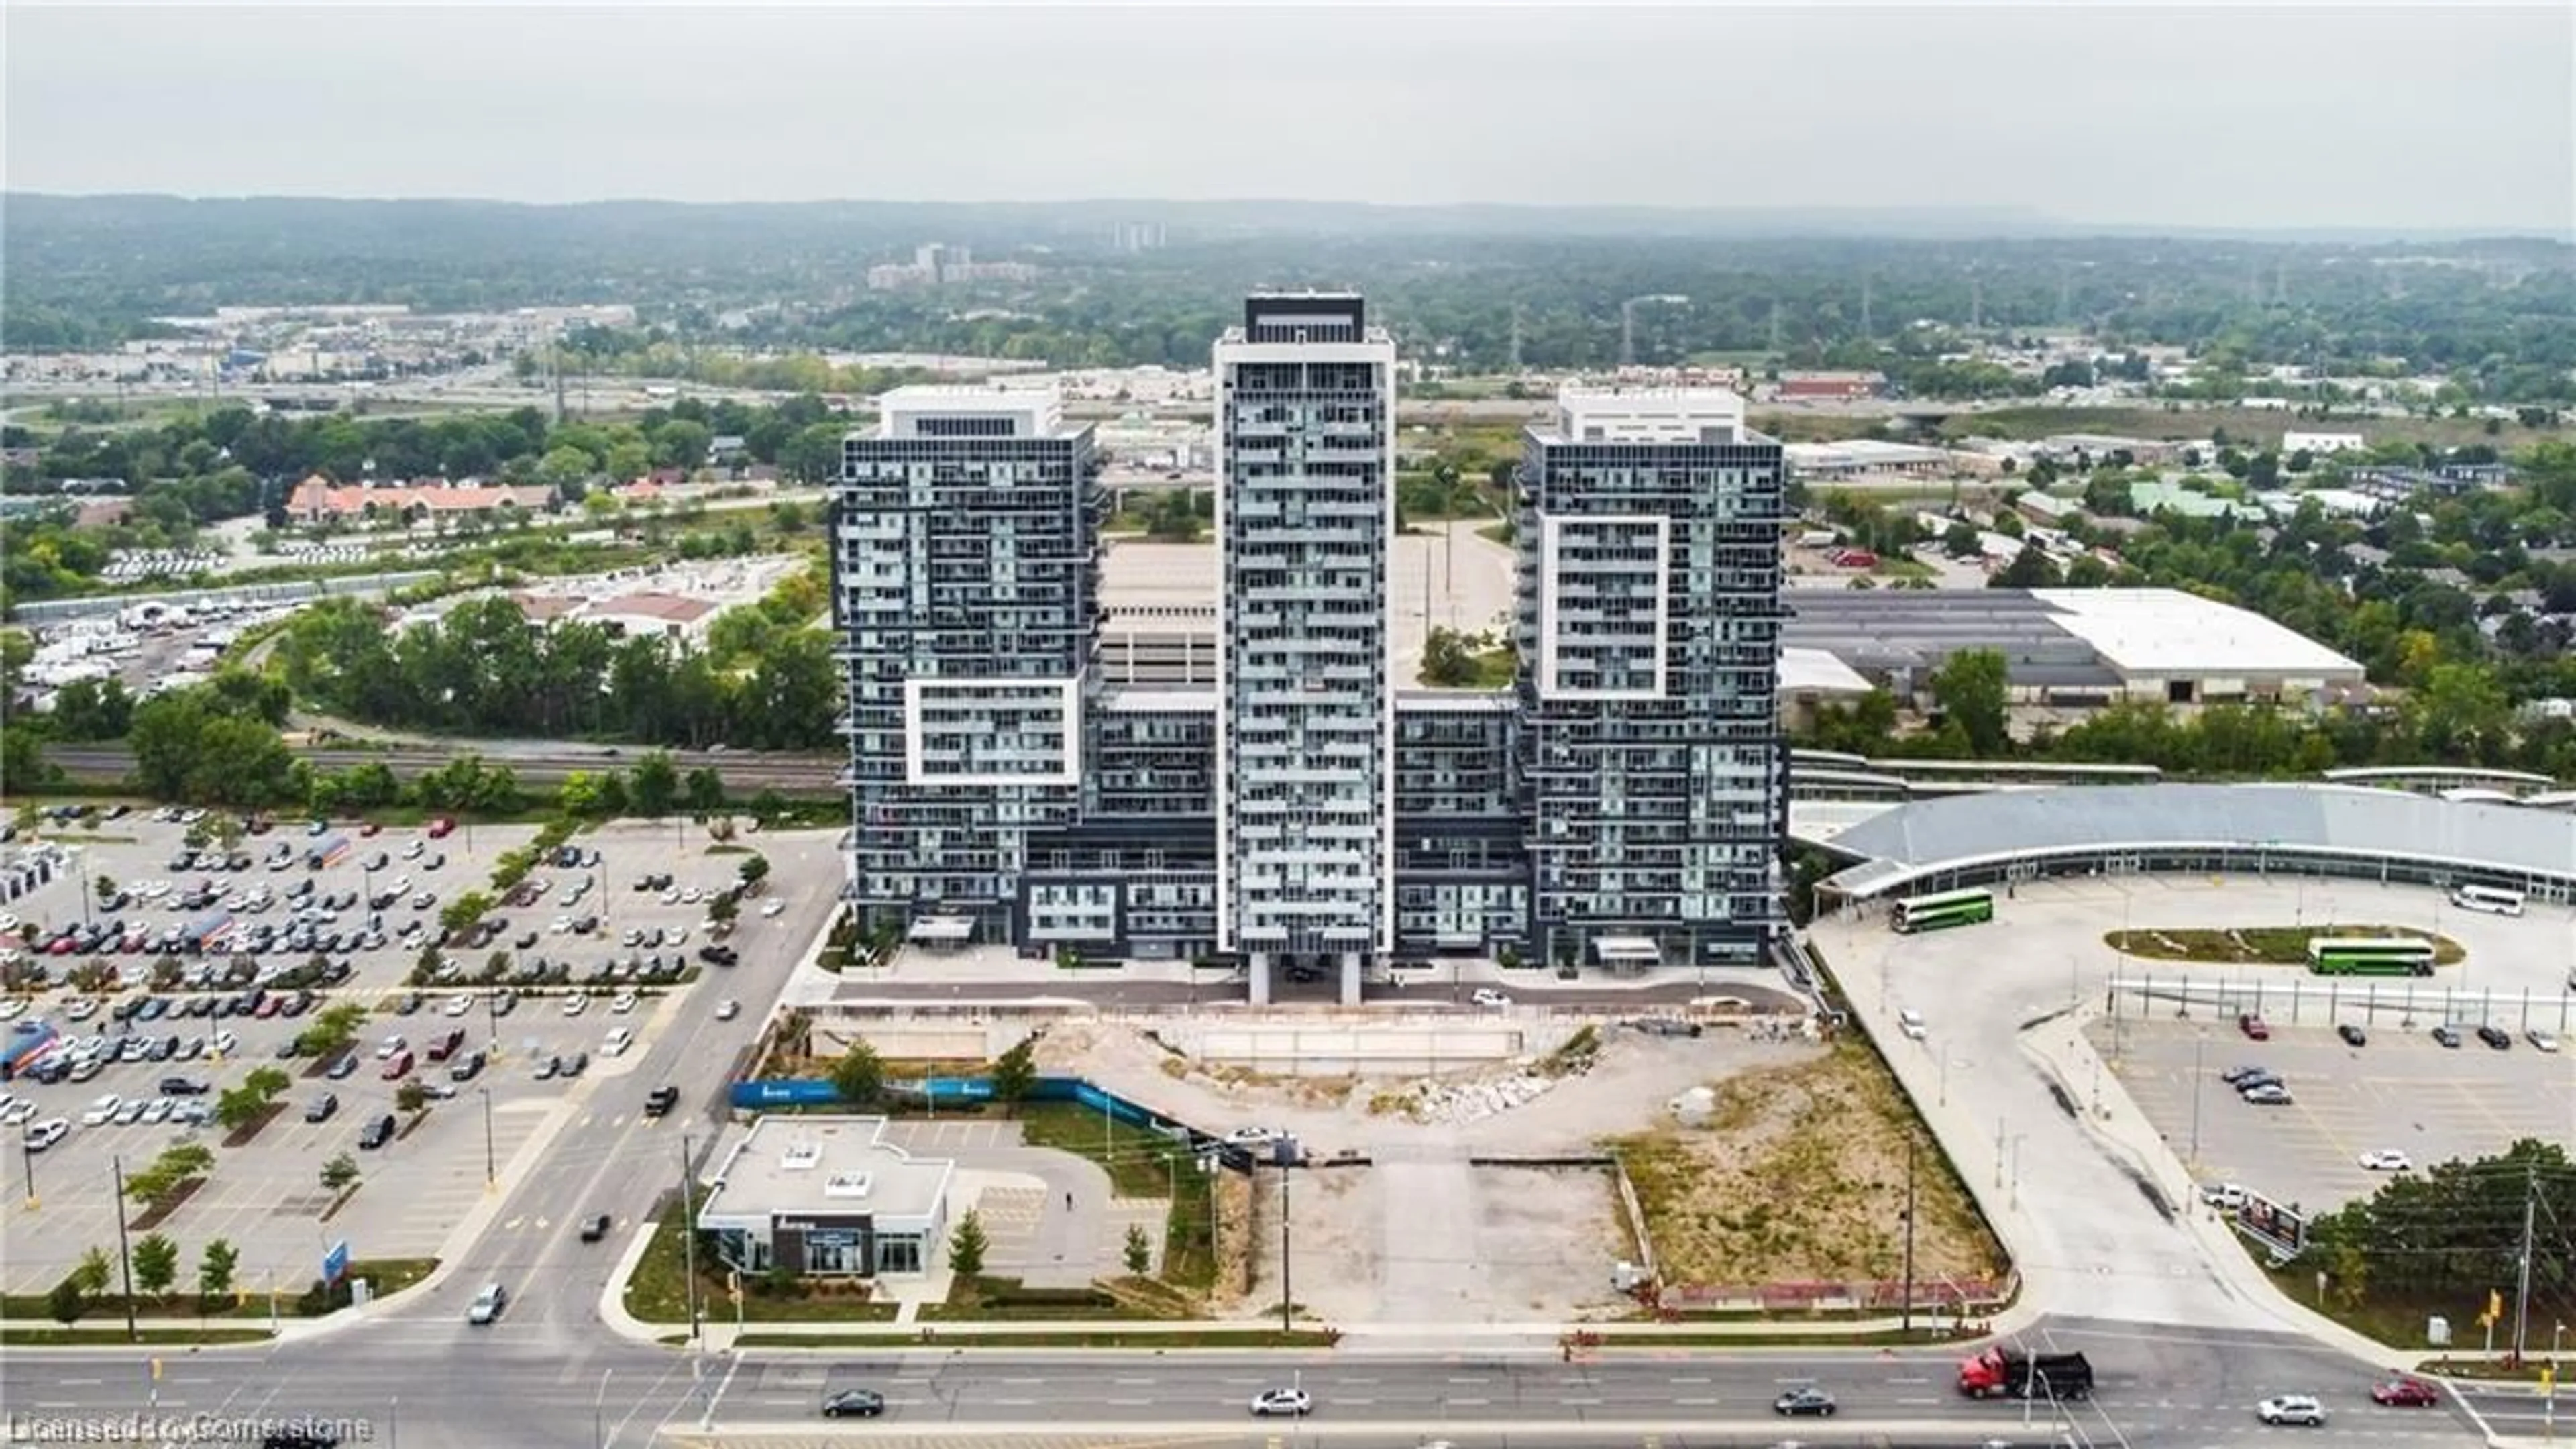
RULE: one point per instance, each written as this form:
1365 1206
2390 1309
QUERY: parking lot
238 1001
2401 1092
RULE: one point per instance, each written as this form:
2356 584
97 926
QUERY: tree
966 1245
461 913
1015 1072
339 1172
157 1182
215 1269
92 1273
1139 1251
706 791
411 1096
654 786
1446 660
156 1264
66 1302
334 1030
753 870
1973 689
859 1076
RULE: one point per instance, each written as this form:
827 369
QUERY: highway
539 1381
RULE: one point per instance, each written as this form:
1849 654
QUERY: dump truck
2001 1373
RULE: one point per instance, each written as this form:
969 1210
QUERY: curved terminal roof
1930 837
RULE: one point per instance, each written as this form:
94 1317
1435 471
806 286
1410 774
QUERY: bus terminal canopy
2344 829
942 931
1627 953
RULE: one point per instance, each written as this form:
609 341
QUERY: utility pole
2522 1284
125 1252
1906 1321
1287 1297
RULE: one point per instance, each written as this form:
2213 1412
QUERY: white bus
2495 900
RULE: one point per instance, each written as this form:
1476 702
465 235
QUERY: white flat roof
800 1164
2169 632
1814 671
1648 415
1136 574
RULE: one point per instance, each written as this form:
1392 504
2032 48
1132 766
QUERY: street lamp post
2198 1042
125 1252
27 1154
491 1169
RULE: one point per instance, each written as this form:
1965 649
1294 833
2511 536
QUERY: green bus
1943 908
2370 956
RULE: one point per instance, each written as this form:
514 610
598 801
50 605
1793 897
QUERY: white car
46 1133
459 1005
2223 1195
1911 1023
676 936
412 852
1252 1136
671 897
773 905
102 1111
692 895
18 1114
222 1044
617 1043
2387 1162
387 1049
2541 1041
158 1110
79 1008
560 925
10 1007
576 1004
1488 996
1293 1403
624 1003
2292 1409
725 1011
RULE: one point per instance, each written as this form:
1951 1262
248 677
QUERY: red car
371 828
2253 1027
441 828
2406 1394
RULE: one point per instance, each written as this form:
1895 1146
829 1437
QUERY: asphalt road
538 1380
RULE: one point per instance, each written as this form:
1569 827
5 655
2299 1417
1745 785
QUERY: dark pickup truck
660 1101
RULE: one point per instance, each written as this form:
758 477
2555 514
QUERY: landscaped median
2265 945
80 1310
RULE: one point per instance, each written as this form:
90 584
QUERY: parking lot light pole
689 1238
491 1173
27 1154
124 1251
2198 1042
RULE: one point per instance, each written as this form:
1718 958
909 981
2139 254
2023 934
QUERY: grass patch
2397 1320
988 1298
1199 1338
2262 945
1799 1177
658 1291
13 1336
1141 1165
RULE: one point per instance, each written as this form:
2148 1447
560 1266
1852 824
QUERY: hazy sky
2433 116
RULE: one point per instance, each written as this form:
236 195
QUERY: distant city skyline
2434 118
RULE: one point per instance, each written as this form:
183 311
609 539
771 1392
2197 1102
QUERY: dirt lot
1421 1235
1799 1175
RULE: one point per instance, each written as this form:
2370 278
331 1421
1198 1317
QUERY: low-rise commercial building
827 1197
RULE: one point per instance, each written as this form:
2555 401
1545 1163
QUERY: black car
343 1068
594 1228
854 1404
322 1108
376 1133
182 1087
2496 1036
660 1101
2352 1035
467 1068
1808 1402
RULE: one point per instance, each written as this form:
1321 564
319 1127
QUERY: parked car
2387 1161
2352 1035
321 1108
376 1133
2448 1035
2253 1026
2541 1040
2496 1037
